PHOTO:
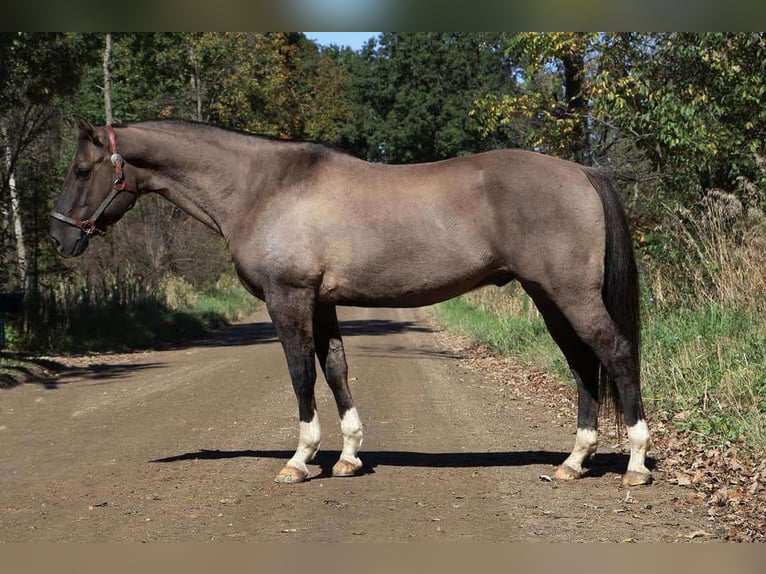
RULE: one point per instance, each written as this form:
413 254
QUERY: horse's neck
204 180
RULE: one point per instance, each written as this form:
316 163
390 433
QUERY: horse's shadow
600 465
263 332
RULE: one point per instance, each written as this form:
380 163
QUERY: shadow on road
50 373
600 465
263 332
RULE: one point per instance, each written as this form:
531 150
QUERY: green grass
231 303
706 367
141 324
520 333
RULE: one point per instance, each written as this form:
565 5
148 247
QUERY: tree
412 94
694 104
687 109
36 72
275 84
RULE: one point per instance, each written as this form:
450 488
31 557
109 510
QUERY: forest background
677 119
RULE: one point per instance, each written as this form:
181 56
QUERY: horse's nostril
56 243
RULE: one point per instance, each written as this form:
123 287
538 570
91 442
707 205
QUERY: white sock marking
586 442
638 437
308 443
351 427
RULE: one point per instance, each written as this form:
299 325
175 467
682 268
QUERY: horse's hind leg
585 370
590 319
292 312
332 358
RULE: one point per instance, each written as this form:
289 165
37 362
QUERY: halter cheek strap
88 226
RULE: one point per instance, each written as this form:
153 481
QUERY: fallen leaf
683 479
696 534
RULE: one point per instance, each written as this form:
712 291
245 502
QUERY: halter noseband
88 226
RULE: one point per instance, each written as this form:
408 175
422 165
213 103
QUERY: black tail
620 290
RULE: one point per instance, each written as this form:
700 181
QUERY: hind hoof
345 468
290 475
636 478
564 472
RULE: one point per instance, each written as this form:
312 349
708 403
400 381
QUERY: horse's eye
82 172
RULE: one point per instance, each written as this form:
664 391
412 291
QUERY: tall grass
704 354
704 326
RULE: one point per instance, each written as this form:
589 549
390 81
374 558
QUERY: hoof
290 475
636 478
564 472
345 468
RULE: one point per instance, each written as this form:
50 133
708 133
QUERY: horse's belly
401 284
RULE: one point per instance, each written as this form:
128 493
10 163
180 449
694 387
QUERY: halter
88 226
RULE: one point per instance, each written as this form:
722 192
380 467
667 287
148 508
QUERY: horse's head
94 196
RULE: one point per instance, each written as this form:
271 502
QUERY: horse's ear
86 129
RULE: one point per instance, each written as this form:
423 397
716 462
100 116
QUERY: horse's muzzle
68 242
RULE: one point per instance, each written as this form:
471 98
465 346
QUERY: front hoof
636 478
345 468
564 472
290 475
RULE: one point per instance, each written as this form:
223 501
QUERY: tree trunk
196 83
108 79
574 66
18 229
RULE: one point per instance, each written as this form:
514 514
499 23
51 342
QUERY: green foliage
551 70
277 84
691 105
694 103
412 93
37 67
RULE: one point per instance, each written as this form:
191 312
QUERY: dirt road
183 444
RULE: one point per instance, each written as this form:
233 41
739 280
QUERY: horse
310 228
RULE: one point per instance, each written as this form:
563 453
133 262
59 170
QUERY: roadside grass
176 313
506 320
705 366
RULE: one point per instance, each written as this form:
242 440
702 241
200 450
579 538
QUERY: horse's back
415 234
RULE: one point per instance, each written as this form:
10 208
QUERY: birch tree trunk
18 229
108 79
196 83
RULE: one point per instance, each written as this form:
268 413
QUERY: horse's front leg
292 312
332 358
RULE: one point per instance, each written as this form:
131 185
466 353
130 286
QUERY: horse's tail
620 290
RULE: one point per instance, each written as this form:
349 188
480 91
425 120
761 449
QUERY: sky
355 40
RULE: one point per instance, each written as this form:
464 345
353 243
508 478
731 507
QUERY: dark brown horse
310 228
